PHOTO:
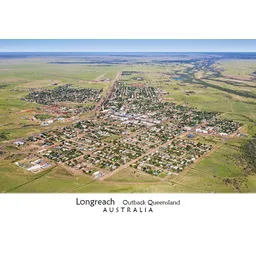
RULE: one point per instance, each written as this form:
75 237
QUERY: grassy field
240 68
131 175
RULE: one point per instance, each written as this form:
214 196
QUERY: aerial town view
138 122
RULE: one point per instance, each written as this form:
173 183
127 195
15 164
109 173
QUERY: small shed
191 136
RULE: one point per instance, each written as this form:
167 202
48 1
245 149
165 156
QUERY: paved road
108 94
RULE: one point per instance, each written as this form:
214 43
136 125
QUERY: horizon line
127 52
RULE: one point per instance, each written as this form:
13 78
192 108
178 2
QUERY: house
187 128
97 175
19 143
44 124
242 135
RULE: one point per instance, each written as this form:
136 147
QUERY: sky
127 45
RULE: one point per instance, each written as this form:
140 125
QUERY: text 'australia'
128 209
